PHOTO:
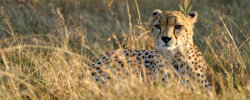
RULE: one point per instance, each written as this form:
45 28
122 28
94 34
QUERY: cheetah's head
172 29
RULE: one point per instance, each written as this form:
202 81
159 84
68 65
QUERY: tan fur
179 50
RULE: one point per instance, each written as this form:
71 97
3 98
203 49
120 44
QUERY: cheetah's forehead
171 18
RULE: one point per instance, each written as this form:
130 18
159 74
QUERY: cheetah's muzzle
165 39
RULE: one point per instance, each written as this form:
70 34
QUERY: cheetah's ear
193 16
156 12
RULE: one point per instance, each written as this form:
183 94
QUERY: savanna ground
44 46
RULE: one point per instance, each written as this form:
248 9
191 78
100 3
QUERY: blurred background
95 16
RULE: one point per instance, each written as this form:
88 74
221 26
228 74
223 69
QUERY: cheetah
123 62
172 32
173 36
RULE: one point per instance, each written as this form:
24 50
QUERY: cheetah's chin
168 47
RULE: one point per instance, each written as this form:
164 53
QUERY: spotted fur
173 38
123 62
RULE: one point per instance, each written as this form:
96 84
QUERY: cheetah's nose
165 39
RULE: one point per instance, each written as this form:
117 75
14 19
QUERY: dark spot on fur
99 63
179 59
119 62
173 62
181 65
137 58
176 67
151 62
133 54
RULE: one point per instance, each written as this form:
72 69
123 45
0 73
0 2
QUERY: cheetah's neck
189 62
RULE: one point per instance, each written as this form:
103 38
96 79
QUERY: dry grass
45 45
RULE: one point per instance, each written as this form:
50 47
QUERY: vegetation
44 46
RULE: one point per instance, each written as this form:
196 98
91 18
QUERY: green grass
44 46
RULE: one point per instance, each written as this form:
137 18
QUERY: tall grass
45 45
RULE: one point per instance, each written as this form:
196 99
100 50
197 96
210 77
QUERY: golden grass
45 45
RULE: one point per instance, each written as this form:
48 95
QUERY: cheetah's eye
177 26
158 26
